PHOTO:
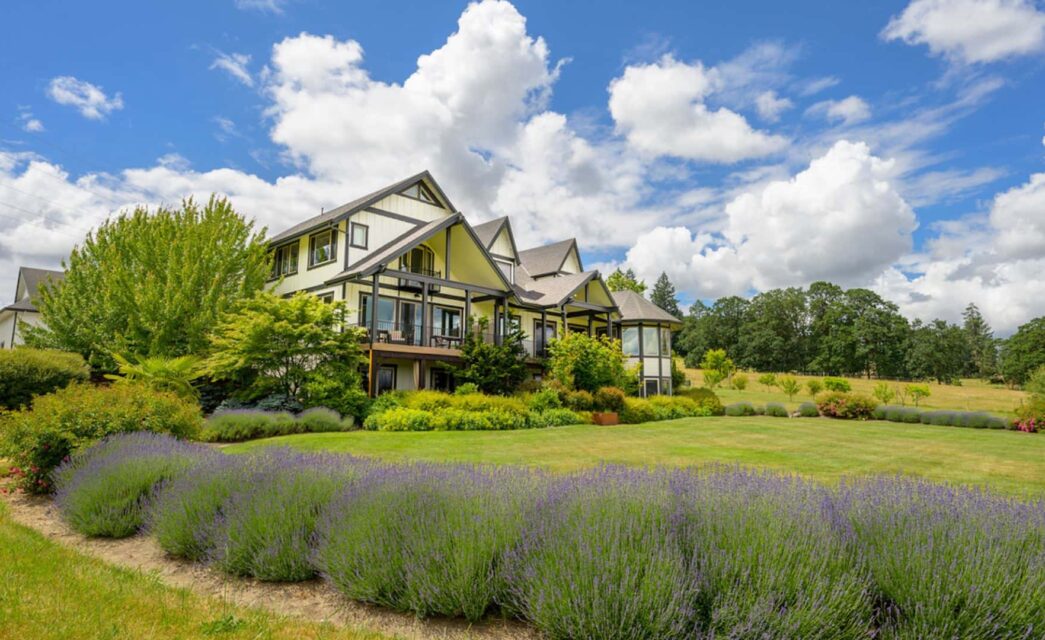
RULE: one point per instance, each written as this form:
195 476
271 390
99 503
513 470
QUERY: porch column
591 319
421 374
374 292
544 335
468 311
609 324
424 314
496 324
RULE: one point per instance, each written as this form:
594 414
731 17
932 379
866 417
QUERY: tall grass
713 552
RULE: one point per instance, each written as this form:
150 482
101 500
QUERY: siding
502 246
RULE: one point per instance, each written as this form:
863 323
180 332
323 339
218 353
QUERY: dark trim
351 235
297 264
453 284
396 216
333 248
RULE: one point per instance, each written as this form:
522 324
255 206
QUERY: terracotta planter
605 418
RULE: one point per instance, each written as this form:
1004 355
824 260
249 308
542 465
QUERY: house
413 270
23 309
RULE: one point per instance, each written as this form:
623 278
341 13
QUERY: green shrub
480 402
637 411
777 410
740 409
846 406
610 399
238 425
38 439
767 380
320 420
26 372
556 418
704 397
401 419
837 384
386 401
544 400
739 381
918 392
808 410
971 419
580 401
466 389
814 387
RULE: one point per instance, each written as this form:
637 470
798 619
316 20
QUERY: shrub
637 411
401 419
609 399
884 393
814 387
808 410
972 419
26 372
580 401
777 410
466 388
428 400
248 424
837 384
705 398
579 361
767 380
386 401
557 418
159 373
544 400
740 409
739 381
918 392
38 439
847 406
894 413
790 386
103 490
321 419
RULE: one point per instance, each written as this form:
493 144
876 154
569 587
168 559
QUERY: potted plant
609 402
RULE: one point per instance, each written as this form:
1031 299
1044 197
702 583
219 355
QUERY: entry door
386 378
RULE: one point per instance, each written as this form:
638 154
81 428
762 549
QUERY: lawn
970 395
1007 461
48 591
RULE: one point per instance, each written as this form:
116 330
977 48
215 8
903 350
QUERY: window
359 235
651 387
419 192
285 260
630 341
507 268
321 247
542 336
443 379
327 297
446 322
386 309
665 341
419 260
650 342
386 378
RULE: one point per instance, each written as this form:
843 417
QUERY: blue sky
737 146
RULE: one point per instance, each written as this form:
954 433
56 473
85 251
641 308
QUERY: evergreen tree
983 351
494 369
663 296
625 281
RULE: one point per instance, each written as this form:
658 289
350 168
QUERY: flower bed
607 553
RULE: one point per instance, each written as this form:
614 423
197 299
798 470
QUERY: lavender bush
711 552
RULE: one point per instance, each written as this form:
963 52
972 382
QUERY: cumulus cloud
770 105
28 122
234 64
971 31
660 109
87 98
840 219
848 110
1018 216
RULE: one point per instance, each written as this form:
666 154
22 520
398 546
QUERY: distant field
1007 461
971 395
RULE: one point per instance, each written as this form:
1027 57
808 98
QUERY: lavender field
613 552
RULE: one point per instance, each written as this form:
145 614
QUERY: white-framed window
650 342
630 341
285 260
322 247
358 235
507 267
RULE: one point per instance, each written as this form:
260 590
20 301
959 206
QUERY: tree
937 351
767 380
790 386
982 349
663 296
717 366
493 369
625 281
152 284
691 340
918 392
587 363
297 347
773 336
1024 352
725 322
884 393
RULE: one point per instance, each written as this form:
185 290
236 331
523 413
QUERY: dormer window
322 248
507 267
420 192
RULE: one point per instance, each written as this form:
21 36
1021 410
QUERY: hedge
704 397
26 372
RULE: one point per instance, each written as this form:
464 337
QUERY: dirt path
314 600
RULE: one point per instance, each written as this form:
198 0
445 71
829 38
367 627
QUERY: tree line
827 330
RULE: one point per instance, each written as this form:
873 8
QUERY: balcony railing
407 283
411 334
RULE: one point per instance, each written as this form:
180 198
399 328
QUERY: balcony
417 285
409 334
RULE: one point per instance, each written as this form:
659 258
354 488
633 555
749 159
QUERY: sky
736 146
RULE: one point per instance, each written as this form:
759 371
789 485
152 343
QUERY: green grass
970 395
824 449
47 591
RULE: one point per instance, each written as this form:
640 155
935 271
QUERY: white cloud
660 109
264 6
971 31
817 85
1018 216
28 122
235 64
770 105
848 110
840 219
89 99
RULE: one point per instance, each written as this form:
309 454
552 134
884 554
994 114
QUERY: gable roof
488 231
546 260
33 278
634 307
336 215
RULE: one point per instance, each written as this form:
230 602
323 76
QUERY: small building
23 309
645 335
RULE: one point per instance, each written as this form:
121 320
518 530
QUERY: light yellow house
23 311
429 270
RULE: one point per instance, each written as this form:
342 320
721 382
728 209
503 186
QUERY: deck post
544 335
374 293
424 314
